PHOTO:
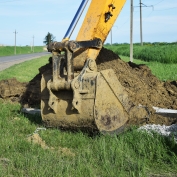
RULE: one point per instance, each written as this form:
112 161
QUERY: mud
36 139
142 87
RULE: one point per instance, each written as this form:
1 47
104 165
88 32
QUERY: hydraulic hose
75 19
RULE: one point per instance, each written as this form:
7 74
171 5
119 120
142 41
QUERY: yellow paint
65 39
94 25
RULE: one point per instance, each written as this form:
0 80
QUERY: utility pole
131 31
111 33
15 43
141 31
33 43
31 47
141 35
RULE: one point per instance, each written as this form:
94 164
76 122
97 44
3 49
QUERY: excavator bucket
96 102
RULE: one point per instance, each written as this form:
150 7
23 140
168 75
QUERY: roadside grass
25 71
68 153
9 50
162 71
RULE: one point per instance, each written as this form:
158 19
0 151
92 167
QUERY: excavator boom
98 22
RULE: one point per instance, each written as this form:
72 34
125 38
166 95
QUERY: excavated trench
142 87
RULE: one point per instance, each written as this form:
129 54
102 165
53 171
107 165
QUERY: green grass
161 70
9 50
25 71
165 53
72 154
132 153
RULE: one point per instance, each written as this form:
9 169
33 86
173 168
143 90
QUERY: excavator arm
97 24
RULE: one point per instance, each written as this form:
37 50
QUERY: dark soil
142 87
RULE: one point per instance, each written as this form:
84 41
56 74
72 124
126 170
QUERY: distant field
158 52
9 50
163 71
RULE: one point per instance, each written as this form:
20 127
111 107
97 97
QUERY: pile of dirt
12 89
142 86
28 94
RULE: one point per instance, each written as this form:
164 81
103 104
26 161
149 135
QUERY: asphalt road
7 61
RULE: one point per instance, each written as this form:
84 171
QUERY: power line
120 26
162 9
166 9
158 2
149 14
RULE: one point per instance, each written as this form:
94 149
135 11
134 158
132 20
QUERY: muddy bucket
93 100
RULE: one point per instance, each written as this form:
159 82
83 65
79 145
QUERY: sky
33 19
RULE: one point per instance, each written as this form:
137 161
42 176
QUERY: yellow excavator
74 94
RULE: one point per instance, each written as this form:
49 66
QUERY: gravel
163 130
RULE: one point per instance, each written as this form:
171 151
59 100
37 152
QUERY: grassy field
53 152
25 71
164 71
9 50
158 52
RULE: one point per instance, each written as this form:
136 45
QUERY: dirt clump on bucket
142 86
